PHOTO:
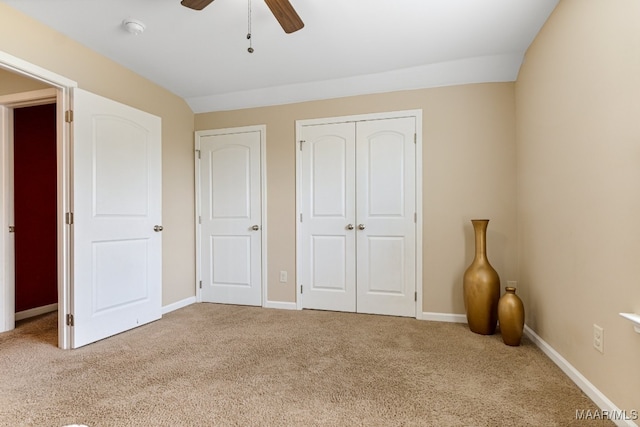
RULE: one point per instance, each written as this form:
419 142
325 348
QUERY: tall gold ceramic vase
481 286
511 317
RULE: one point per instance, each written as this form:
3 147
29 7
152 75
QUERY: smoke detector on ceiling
134 26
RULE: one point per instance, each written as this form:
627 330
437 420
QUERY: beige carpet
208 364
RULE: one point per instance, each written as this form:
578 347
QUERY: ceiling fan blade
196 4
285 14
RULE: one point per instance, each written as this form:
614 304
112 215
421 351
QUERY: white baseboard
177 305
192 300
444 317
281 305
32 312
53 307
589 389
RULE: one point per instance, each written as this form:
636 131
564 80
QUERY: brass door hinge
68 116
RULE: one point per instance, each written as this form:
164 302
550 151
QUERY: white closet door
386 195
231 215
328 223
358 205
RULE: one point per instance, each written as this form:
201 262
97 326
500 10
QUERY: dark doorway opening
35 199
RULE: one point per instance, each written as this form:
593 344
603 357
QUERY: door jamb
263 201
63 88
417 114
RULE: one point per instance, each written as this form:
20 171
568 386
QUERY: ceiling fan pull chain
250 50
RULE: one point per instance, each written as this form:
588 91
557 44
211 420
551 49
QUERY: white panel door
386 236
328 206
117 255
231 217
358 206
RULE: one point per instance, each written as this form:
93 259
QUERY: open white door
116 239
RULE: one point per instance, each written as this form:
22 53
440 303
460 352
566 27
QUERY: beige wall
27 39
578 139
468 167
14 83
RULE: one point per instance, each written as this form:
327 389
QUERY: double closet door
358 216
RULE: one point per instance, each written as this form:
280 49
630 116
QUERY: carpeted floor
222 365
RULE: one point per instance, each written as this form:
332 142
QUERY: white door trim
62 87
29 99
417 114
263 201
7 245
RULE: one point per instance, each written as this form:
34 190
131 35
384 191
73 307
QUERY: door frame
263 202
417 115
62 87
8 104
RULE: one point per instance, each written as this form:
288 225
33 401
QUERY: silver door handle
361 227
255 227
349 226
158 228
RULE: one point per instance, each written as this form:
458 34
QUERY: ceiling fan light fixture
134 26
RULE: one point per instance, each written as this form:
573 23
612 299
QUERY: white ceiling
347 47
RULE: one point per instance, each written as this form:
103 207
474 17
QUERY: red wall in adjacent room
35 206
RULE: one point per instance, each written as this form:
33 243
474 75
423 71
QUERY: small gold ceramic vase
481 286
511 317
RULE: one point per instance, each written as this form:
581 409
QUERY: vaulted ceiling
347 47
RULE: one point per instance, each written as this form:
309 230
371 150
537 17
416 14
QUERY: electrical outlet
598 338
283 277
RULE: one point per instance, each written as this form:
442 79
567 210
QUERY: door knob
361 227
349 226
255 227
157 228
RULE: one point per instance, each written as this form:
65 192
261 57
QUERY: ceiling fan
281 9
